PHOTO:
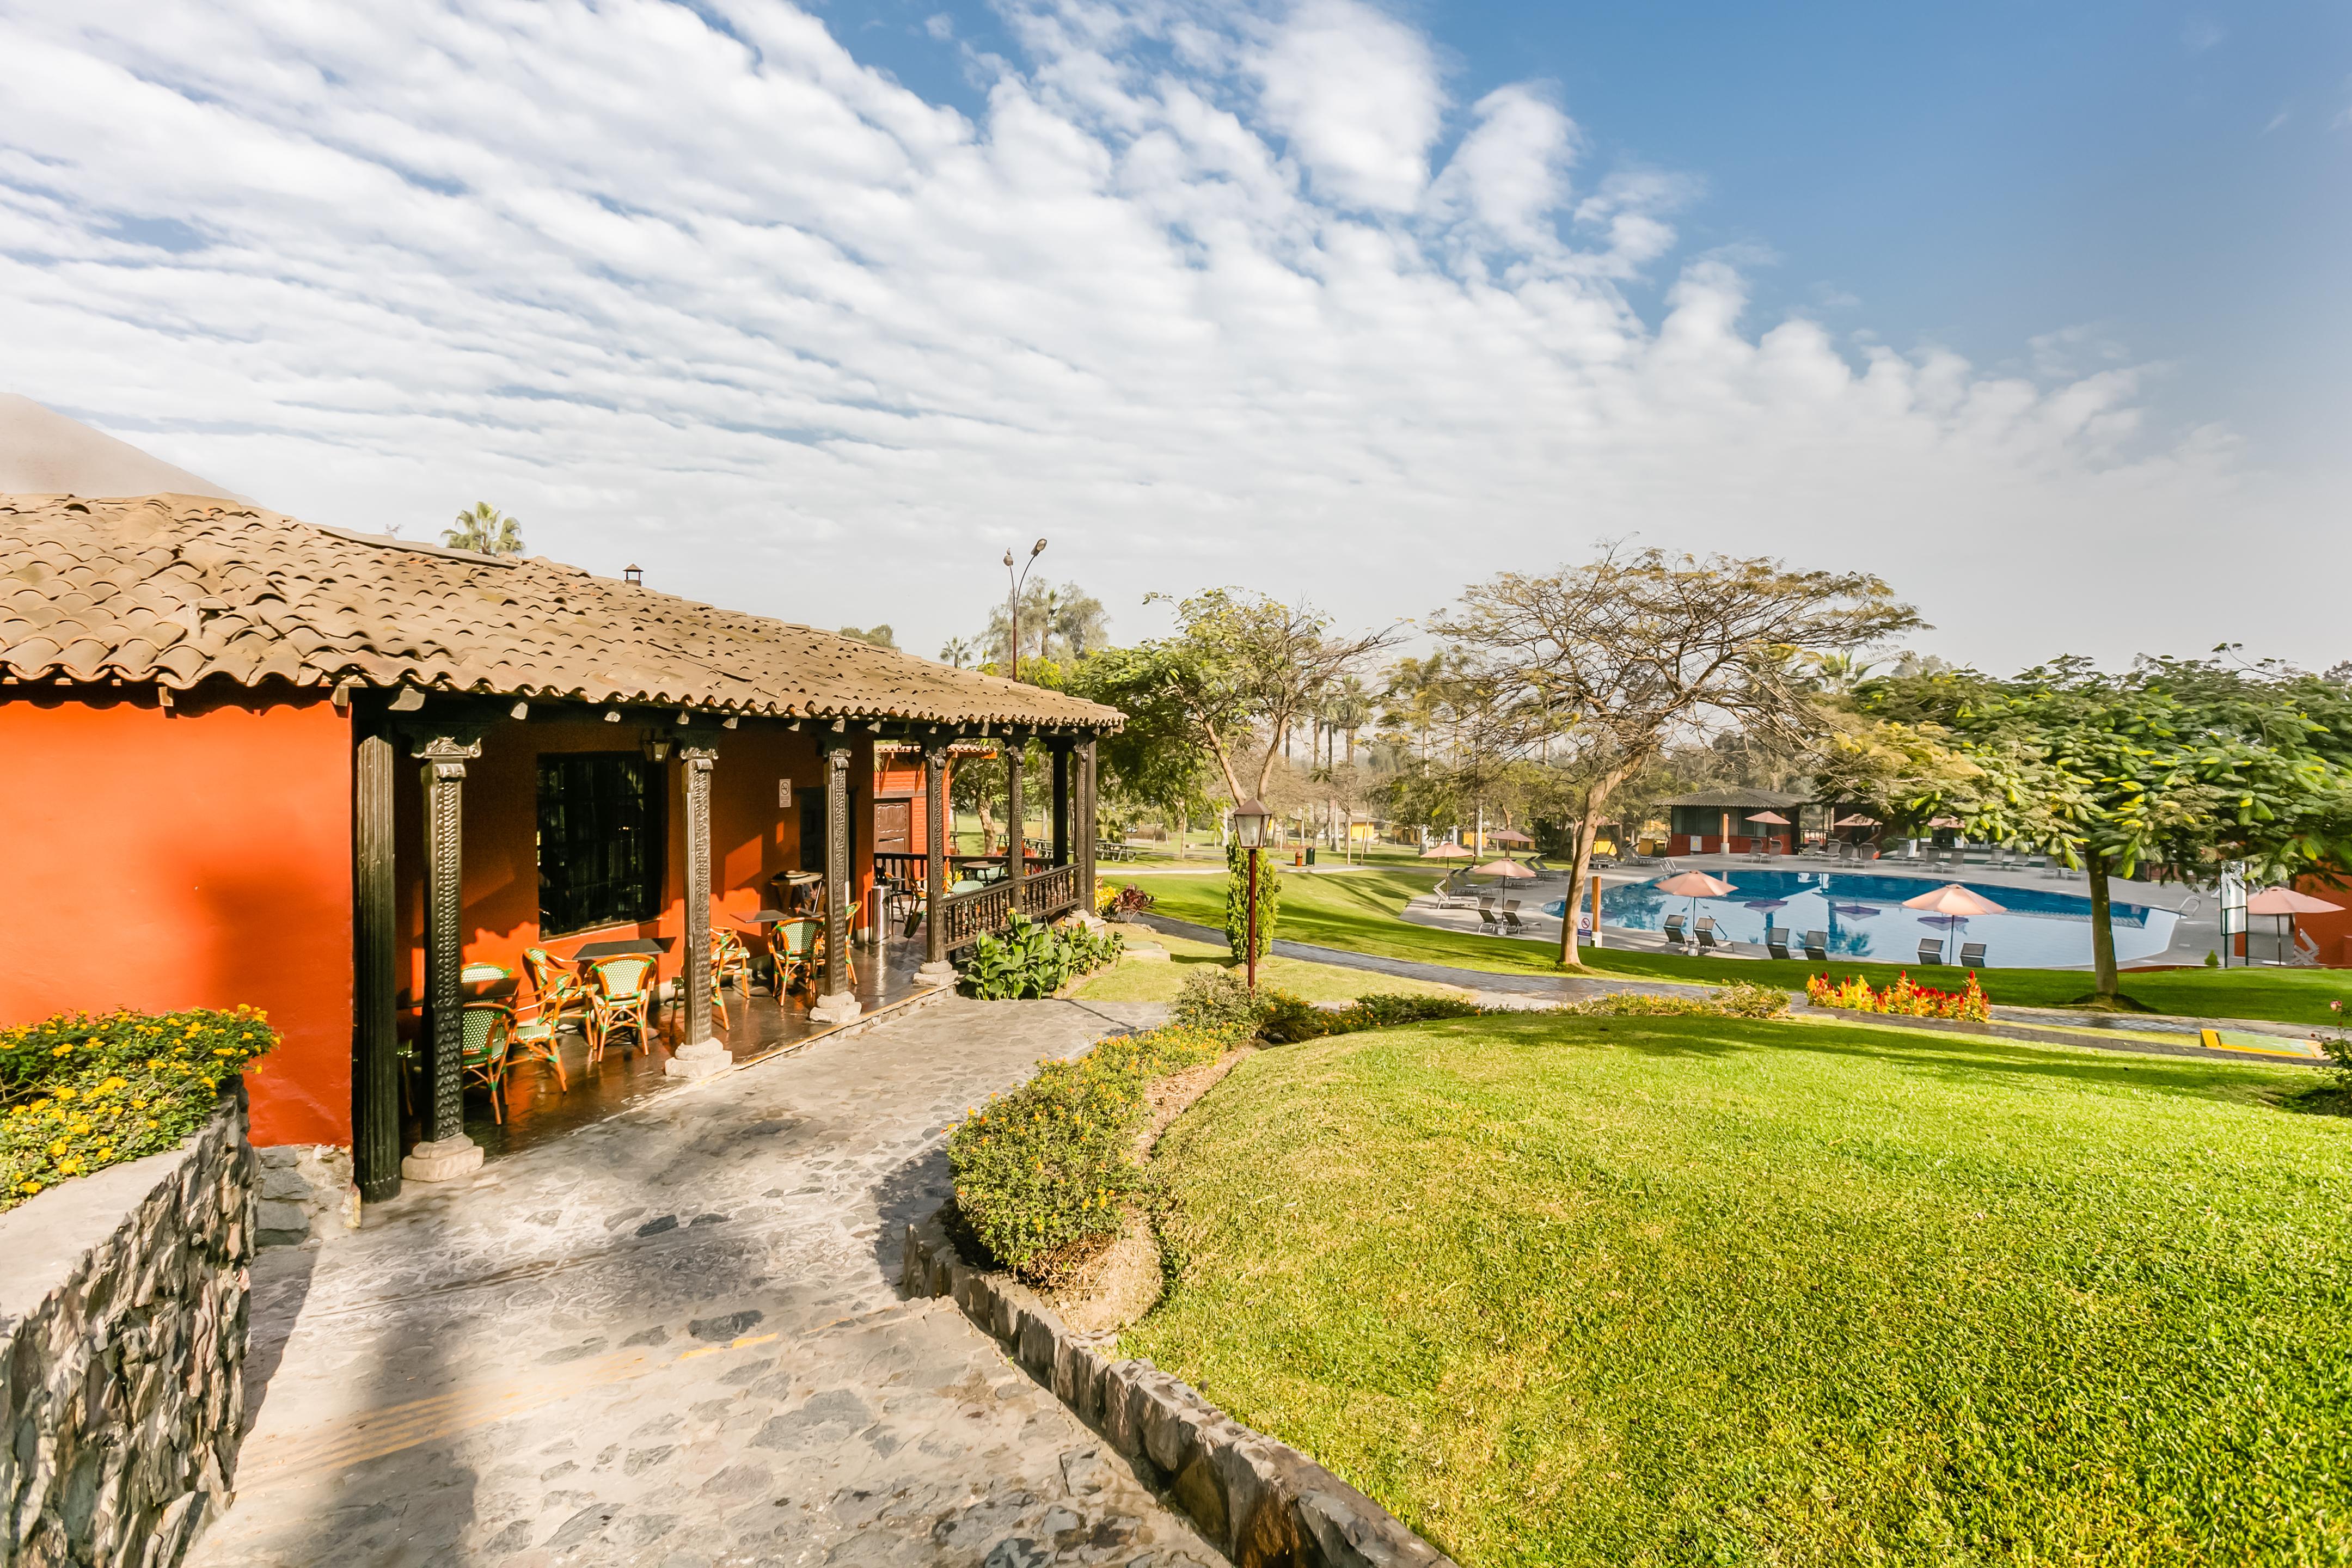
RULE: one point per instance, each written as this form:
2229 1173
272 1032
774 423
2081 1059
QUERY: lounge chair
1972 955
1776 943
1486 919
1675 935
1817 946
1511 915
1705 935
1931 950
1844 852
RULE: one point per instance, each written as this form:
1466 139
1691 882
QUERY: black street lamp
1013 607
1249 832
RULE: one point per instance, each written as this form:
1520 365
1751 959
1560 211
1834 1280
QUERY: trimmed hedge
82 1092
1042 1173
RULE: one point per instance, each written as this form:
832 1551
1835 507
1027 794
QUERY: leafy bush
1902 998
1285 1019
82 1091
1269 901
1030 958
1744 999
1042 1172
1215 1000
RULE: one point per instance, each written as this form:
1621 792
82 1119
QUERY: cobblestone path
673 1338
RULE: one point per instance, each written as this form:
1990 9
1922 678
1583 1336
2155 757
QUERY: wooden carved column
1016 858
1085 825
839 1002
1060 746
447 1152
376 1042
936 970
700 1055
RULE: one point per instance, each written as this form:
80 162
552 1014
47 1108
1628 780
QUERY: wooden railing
910 869
966 917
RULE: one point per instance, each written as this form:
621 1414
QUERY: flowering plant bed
82 1092
1902 998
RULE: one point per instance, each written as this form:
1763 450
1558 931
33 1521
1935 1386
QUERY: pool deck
2198 933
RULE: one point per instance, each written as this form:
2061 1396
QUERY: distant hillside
42 452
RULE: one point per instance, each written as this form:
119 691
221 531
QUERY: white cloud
1356 93
715 296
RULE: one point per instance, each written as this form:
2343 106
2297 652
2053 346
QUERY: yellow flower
71 1167
105 1152
30 1187
62 1049
64 1092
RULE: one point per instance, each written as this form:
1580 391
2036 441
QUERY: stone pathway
671 1338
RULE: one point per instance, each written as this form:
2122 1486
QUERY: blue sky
813 312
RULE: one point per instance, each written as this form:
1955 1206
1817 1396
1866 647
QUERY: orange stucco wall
751 838
198 860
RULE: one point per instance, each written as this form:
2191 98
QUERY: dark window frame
608 812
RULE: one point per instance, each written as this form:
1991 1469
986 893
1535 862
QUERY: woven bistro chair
622 999
482 1050
557 983
730 960
794 943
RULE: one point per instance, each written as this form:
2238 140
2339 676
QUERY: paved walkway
671 1338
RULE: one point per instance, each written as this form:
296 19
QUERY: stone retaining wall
1262 1502
122 1335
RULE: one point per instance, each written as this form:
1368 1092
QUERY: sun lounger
1706 934
1486 919
1817 946
1972 955
1675 935
1511 915
1931 950
1776 943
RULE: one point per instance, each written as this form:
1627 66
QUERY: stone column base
841 1007
698 1060
939 973
444 1161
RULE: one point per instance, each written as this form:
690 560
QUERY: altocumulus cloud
1205 293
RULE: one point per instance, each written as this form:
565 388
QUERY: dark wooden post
448 1153
1016 859
936 970
700 1055
1086 826
1060 746
839 1002
375 1065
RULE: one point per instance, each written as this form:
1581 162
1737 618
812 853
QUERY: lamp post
1249 832
1012 605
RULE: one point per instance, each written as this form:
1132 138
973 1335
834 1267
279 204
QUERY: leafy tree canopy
486 529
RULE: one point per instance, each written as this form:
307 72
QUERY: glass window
600 839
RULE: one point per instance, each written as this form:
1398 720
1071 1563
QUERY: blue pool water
1864 918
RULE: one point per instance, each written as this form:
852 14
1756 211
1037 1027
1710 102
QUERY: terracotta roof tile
179 588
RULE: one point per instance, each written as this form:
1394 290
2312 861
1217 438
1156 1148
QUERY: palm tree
959 652
486 530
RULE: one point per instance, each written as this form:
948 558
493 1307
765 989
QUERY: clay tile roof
177 588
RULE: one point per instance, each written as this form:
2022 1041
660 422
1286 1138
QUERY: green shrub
82 1091
1285 1019
1744 999
1031 959
1269 901
1215 999
1042 1172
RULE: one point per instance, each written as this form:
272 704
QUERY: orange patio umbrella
2284 904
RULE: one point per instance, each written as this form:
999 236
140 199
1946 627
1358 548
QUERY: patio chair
1675 935
1931 950
482 1049
1817 946
483 974
1776 943
1972 955
1704 933
622 999
730 960
794 943
1511 915
555 984
534 1037
1845 851
1486 917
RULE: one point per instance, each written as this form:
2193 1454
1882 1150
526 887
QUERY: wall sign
784 794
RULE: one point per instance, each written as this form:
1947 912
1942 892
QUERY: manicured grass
1358 911
1138 981
1670 1290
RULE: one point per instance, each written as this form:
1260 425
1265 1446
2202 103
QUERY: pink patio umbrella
1772 817
1448 851
1856 820
2284 904
1696 885
1504 867
1955 903
1510 836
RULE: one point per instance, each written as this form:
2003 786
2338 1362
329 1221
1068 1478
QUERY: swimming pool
1864 918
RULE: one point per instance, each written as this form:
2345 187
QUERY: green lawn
1358 911
1677 1290
1136 980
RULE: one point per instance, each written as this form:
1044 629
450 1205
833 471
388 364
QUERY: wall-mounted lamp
657 748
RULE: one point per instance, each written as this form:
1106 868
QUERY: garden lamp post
1012 605
1249 832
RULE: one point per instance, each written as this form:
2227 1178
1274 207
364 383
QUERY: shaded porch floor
758 1025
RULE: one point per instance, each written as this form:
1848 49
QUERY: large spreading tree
1602 668
2173 767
